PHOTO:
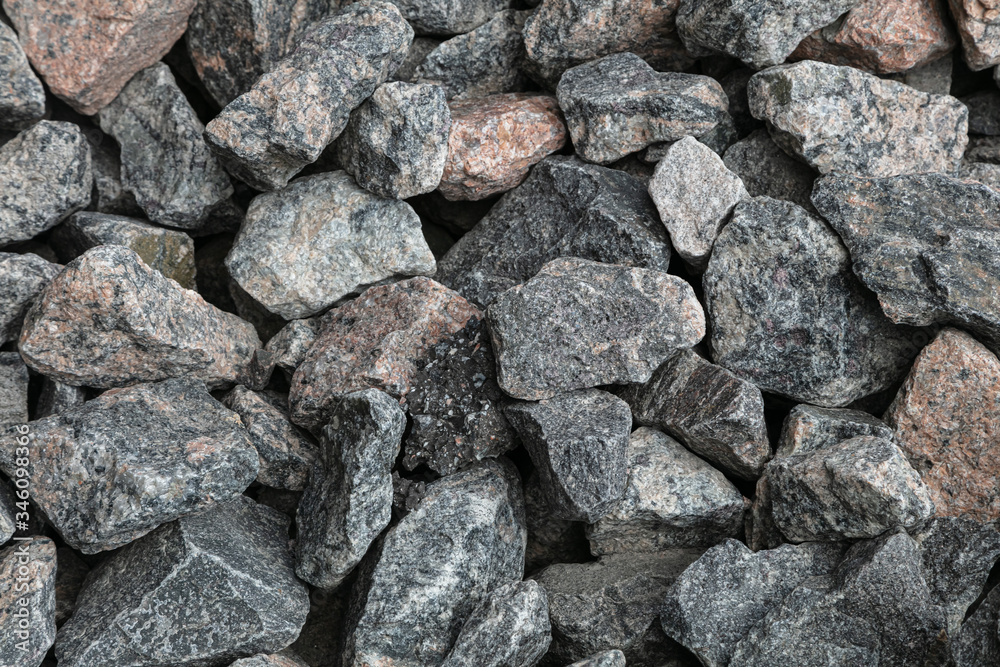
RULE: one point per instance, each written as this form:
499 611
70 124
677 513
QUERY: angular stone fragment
27 602
673 499
984 116
265 136
47 175
550 540
839 119
283 659
8 511
580 324
979 27
768 171
204 590
612 658
320 238
618 105
495 140
934 78
109 320
109 195
71 571
374 341
788 315
579 444
289 346
808 429
22 278
349 498
448 17
419 49
978 642
396 143
436 566
57 397
565 208
13 390
22 100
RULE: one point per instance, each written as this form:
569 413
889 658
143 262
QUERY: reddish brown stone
978 24
883 36
87 50
946 417
375 341
495 140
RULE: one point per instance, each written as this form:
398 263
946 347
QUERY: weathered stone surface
320 238
618 105
839 119
71 571
456 404
109 320
984 117
8 511
718 139
983 149
550 540
579 444
57 397
495 140
934 78
375 342
283 659
978 642
510 628
168 251
435 566
22 100
27 602
809 429
120 465
580 324
288 117
47 175
768 171
419 49
13 389
566 208
396 143
612 658
204 590
87 51
448 17
22 278
349 497
289 346
979 28
788 315
760 34
286 454
109 196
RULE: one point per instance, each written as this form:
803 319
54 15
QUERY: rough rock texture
495 140
788 315
978 642
934 78
47 175
289 346
283 659
290 115
121 464
435 566
22 100
839 119
166 164
673 499
204 590
320 238
456 404
943 417
86 51
566 208
419 48
109 320
71 571
510 628
984 117
618 105
695 194
22 278
13 389
716 414
349 498
768 171
448 17
8 511
612 658
375 341
286 454
27 602
979 28
550 540
109 196
57 397
760 33
579 444
580 324
396 143
808 429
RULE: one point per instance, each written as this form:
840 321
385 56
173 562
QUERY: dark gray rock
768 171
978 642
109 195
448 17
283 659
718 139
406 494
419 49
288 347
550 540
618 105
23 99
984 112
788 315
612 658
13 390
809 429
316 643
758 524
579 443
22 278
580 324
983 149
8 510
57 397
27 602
71 572
349 497
981 172
204 590
566 208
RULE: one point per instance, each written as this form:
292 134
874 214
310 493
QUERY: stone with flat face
23 99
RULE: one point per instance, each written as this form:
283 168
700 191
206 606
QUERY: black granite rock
71 572
978 642
448 17
22 278
13 389
550 540
984 112
27 602
22 100
768 171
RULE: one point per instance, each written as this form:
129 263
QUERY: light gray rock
289 346
768 171
13 390
22 278
8 511
283 659
27 602
23 98
808 429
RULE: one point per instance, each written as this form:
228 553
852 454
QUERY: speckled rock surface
978 642
979 28
396 143
265 136
716 414
788 315
87 51
47 175
166 164
206 589
13 389
349 498
981 172
879 128
27 601
108 195
71 571
550 540
120 465
934 77
809 429
57 397
283 659
375 342
22 278
419 48
495 140
22 100
109 320
612 658
579 443
289 346
768 171
436 566
566 207
984 118
580 324
673 499
448 17
8 512
320 238
618 105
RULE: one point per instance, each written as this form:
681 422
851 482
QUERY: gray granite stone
27 602
22 278
23 99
